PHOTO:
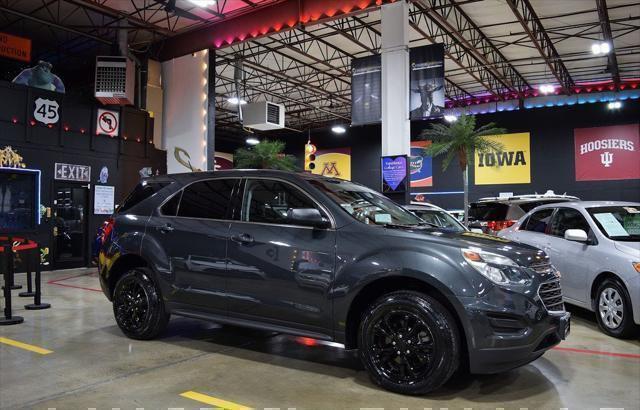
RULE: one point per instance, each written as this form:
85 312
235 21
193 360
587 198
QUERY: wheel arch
600 278
378 287
122 265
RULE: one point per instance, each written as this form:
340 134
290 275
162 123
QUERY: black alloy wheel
409 343
138 307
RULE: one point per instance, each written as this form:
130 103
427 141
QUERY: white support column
396 138
185 113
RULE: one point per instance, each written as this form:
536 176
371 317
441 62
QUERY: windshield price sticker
611 224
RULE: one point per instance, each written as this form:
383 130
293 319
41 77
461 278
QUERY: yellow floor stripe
223 404
25 346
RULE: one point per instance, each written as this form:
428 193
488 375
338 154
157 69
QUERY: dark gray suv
333 260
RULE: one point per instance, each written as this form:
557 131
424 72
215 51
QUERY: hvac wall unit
263 116
115 80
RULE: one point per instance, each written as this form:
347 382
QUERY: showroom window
538 221
567 218
207 199
268 201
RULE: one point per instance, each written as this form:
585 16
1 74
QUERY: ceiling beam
529 20
603 13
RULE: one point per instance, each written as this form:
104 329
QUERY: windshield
364 204
619 223
439 218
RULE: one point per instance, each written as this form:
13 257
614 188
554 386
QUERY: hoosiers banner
366 90
427 81
510 166
607 153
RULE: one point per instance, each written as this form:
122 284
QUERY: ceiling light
547 88
600 48
338 129
236 101
203 3
252 141
614 105
450 118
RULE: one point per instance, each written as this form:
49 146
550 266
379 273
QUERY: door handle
242 239
166 228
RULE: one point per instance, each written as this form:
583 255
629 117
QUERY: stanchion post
37 303
29 265
7 257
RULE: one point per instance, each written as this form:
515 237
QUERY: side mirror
307 217
577 235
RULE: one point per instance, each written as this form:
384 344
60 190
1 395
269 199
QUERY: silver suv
596 248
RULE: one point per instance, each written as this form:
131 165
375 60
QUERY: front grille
541 267
551 295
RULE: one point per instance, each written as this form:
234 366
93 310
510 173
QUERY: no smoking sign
108 122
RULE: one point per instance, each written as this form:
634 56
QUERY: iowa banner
366 90
510 166
334 162
607 153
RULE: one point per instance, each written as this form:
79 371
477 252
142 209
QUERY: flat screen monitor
19 200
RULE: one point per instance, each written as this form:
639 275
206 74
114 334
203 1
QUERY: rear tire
138 307
613 310
409 343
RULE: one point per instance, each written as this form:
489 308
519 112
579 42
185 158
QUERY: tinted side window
170 208
207 199
268 201
488 211
539 220
567 218
141 192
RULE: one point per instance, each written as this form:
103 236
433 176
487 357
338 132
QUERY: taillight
107 228
499 225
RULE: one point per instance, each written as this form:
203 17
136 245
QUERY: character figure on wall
10 158
40 76
104 175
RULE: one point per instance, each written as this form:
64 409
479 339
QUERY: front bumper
508 330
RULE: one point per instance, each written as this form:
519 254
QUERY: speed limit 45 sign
108 122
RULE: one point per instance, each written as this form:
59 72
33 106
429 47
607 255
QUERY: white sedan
596 248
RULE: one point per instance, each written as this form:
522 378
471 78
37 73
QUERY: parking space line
597 352
223 404
25 346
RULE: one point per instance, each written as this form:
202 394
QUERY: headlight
497 268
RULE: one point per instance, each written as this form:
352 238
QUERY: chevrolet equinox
328 259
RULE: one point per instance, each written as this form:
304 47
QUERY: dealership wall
552 154
64 142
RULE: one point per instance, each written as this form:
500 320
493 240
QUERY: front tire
613 310
409 343
138 307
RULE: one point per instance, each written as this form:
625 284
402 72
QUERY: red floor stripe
57 282
597 352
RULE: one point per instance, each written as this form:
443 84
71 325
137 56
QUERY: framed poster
510 166
395 173
607 153
103 199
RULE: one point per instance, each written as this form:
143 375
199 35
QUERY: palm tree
265 155
461 138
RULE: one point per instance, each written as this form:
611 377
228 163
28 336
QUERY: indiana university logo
330 168
606 158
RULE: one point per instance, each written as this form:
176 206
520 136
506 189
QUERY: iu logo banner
510 166
607 153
